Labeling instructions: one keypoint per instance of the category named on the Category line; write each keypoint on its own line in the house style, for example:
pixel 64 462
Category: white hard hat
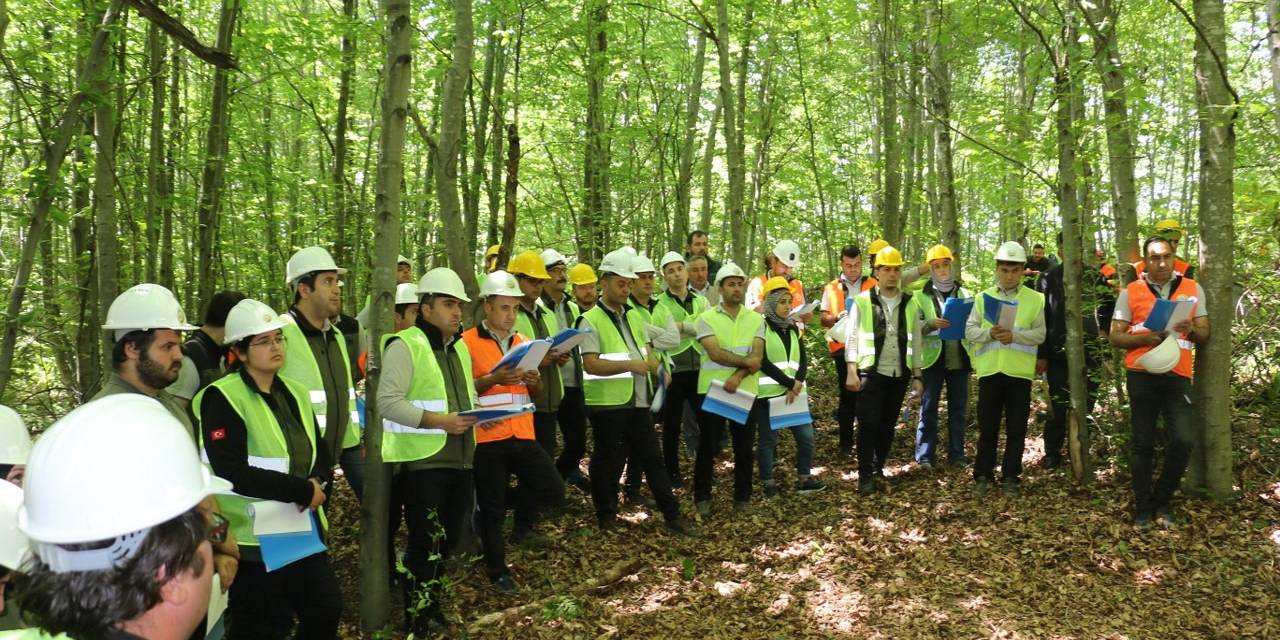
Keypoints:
pixel 500 283
pixel 788 252
pixel 310 260
pixel 402 260
pixel 551 256
pixel 630 250
pixel 619 263
pixel 13 545
pixel 669 257
pixel 406 293
pixel 1011 252
pixel 443 280
pixel 250 318
pixel 146 306
pixel 642 264
pixel 15 442
pixel 729 270
pixel 1163 357
pixel 142 469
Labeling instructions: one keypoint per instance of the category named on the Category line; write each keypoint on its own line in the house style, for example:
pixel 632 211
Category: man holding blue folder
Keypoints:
pixel 1005 360
pixel 535 322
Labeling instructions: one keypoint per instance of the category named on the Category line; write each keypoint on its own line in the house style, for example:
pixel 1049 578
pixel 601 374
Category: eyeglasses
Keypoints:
pixel 218 527
pixel 268 342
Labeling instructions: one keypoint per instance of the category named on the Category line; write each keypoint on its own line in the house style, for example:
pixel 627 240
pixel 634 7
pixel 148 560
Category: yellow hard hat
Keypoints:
pixel 492 251
pixel 876 245
pixel 888 257
pixel 582 273
pixel 775 283
pixel 1168 227
pixel 938 252
pixel 528 263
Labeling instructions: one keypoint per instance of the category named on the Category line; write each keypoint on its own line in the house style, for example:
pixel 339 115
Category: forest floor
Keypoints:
pixel 924 560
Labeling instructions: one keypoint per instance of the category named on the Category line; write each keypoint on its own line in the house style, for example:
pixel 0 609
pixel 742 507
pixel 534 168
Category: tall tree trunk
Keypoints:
pixel 495 152
pixel 215 158
pixel 1273 31
pixel 480 131
pixel 512 184
pixel 911 146
pixel 734 152
pixel 155 149
pixel 274 259
pixel 812 144
pixel 595 210
pixel 684 177
pixel 891 225
pixel 342 245
pixel 1217 105
pixel 170 177
pixel 106 231
pixel 708 155
pixel 939 88
pixel 451 123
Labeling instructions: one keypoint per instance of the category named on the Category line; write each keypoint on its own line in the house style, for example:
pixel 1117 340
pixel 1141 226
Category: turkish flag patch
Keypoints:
pixel 218 434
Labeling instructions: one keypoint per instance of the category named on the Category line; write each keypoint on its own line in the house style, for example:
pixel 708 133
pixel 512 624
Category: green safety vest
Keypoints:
pixel 734 335
pixel 617 389
pixel 1014 360
pixel 670 307
pixel 924 306
pixel 525 326
pixel 300 364
pixel 866 330
pixel 785 358
pixel 427 391
pixel 266 443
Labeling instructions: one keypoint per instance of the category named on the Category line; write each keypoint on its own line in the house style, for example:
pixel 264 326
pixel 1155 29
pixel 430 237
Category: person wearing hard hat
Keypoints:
pixel 733 337
pixel 1158 378
pixel 147 356
pixel 506 447
pixel 782 261
pixel 945 362
pixel 883 352
pixel 699 245
pixel 204 359
pixel 782 372
pixel 584 281
pixel 404 276
pixel 678 306
pixel 909 274
pixel 1171 230
pixel 14 548
pixel 316 355
pixel 127 555
pixel 837 300
pixel 258 430
pixel 15 446
pixel 618 366
pixel 572 415
pixel 426 381
pixel 536 322
pixel 491 258
pixel 1005 361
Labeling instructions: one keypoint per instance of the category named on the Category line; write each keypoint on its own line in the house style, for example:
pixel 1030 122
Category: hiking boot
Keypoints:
pixel 1164 517
pixel 635 498
pixel 981 486
pixel 609 524
pixel 866 487
pixel 925 465
pixel 703 507
pixel 1142 520
pixel 1050 463
pixel 505 585
pixel 682 527
pixel 958 463
pixel 1011 488
pixel 809 484
pixel 740 506
pixel 770 488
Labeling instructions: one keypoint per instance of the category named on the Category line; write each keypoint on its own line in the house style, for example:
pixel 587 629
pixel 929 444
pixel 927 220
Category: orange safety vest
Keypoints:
pixel 485 355
pixel 1180 267
pixel 833 296
pixel 1141 301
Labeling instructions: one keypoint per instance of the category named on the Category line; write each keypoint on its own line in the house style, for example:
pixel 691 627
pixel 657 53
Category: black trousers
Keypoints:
pixel 544 430
pixel 1007 397
pixel 264 605
pixel 573 427
pixel 683 388
pixel 848 408
pixel 878 407
pixel 437 503
pixel 1055 428
pixel 712 428
pixel 540 486
pixel 633 427
pixel 1153 397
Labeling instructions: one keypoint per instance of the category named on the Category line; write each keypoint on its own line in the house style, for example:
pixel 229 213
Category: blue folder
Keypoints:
pixel 992 306
pixel 282 549
pixel 956 311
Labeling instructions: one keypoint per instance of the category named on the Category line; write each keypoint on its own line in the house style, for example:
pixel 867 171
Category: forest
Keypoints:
pixel 198 145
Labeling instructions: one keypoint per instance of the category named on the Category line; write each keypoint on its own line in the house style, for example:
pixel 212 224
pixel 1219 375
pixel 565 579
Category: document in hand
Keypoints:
pixel 783 415
pixel 956 311
pixel 271 517
pixel 999 312
pixel 735 406
pixel 526 356
pixel 486 415
pixel 282 549
pixel 568 339
pixel 1167 313
pixel 660 394
pixel 803 309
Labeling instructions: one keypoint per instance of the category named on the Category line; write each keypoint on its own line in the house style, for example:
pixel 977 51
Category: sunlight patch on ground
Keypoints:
pixel 728 588
pixel 779 604
pixel 1148 576
pixel 1275 536
pixel 882 526
pixel 798 548
pixel 1272 494
pixel 634 517
pixel 913 535
pixel 836 606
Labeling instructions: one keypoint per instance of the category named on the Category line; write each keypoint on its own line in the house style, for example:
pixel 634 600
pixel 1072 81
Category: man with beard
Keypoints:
pixel 700 245
pixel 700 280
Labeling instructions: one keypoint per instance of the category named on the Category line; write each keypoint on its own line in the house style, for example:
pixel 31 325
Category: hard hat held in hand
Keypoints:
pixel 310 260
pixel 580 274
pixel 642 264
pixel 1011 252
pixel 888 257
pixel 729 270
pixel 406 293
pixel 146 306
pixel 551 256
pixel 668 258
pixel 1163 357
pixel 788 252
pixel 109 470
pixel 442 281
pixel 528 264
pixel 250 318
pixel 938 252
pixel 619 263
pixel 15 441
pixel 13 545
pixel 500 283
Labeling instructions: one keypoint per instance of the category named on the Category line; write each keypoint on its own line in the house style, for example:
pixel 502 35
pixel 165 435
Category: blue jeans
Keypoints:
pixel 352 461
pixel 766 449
pixel 957 382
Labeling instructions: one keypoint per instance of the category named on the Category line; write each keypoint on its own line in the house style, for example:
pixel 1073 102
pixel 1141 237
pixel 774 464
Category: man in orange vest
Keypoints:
pixel 1159 377
pixel 506 447
pixel 837 297
pixel 1171 231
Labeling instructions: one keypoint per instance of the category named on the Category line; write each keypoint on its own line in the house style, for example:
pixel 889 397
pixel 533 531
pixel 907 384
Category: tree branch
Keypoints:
pixel 1039 34
pixel 182 35
pixel 1222 68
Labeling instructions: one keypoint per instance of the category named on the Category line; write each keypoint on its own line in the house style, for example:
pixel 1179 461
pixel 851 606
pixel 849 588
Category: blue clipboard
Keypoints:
pixel 283 549
pixel 956 311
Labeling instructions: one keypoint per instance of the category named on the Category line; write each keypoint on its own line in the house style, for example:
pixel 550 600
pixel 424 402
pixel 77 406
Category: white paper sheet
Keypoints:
pixel 740 399
pixel 803 309
pixel 272 517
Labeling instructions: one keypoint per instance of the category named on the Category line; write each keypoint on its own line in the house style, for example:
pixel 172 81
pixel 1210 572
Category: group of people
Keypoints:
pixel 192 442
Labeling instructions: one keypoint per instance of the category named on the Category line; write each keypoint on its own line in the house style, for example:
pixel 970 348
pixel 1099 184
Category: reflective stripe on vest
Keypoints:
pixel 669 307
pixel 788 360
pixel 427 391
pixel 485 355
pixel 1141 301
pixel 1013 359
pixel 735 335
pixel 616 389
pixel 300 364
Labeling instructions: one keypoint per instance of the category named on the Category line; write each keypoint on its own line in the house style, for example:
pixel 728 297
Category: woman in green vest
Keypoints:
pixel 258 430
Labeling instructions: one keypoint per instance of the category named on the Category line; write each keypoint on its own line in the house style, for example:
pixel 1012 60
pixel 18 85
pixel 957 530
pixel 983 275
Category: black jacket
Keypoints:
pixel 208 356
pixel 1099 304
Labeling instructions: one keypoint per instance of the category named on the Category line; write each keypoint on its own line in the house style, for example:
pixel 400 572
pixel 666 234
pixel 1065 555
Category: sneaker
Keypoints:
pixel 866 487
pixel 1051 462
pixel 958 463
pixel 1142 521
pixel 770 488
pixel 809 484
pixel 740 506
pixel 681 526
pixel 1164 517
pixel 703 507
pixel 1010 488
pixel 608 524
pixel 636 498
pixel 505 585
pixel 981 486
pixel 846 454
